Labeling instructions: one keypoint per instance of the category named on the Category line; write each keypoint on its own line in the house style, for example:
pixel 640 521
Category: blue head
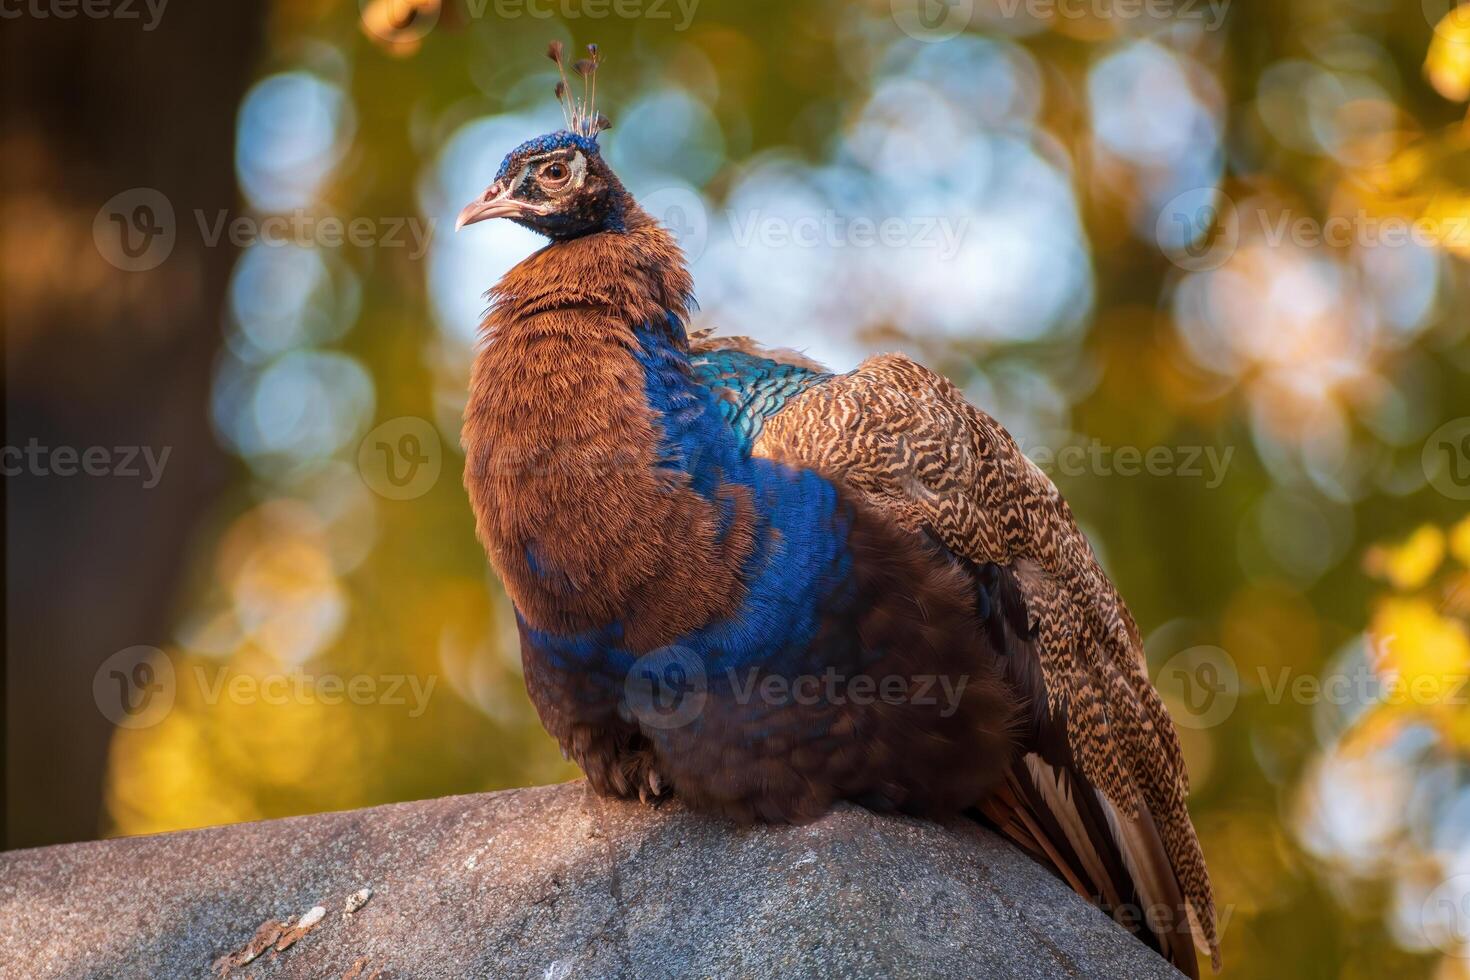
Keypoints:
pixel 558 184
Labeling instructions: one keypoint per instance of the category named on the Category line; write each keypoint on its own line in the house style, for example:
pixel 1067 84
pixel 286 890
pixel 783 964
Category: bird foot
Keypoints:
pixel 616 768
pixel 651 788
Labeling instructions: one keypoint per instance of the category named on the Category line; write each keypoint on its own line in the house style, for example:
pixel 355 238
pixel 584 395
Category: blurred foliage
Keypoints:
pixel 1147 259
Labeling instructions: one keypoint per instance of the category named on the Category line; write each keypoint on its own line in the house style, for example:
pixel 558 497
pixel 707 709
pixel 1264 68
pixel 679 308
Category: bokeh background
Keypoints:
pixel 1207 261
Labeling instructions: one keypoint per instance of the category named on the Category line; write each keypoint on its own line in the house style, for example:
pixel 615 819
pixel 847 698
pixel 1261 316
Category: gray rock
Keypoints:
pixel 552 883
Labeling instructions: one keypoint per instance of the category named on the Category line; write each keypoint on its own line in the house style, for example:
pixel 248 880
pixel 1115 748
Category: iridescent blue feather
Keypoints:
pixel 749 388
pixel 708 412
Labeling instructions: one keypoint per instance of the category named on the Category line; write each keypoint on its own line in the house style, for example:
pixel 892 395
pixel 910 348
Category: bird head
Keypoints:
pixel 558 184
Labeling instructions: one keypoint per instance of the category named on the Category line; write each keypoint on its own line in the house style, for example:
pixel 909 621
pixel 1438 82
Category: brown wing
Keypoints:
pixel 909 440
pixel 1049 808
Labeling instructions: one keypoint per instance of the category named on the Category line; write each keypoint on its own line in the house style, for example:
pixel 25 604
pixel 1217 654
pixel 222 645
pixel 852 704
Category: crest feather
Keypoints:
pixel 580 114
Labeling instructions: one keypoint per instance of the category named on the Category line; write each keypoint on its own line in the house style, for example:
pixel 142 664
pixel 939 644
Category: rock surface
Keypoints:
pixel 552 883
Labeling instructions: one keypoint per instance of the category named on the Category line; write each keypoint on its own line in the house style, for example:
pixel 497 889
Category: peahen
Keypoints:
pixel 765 587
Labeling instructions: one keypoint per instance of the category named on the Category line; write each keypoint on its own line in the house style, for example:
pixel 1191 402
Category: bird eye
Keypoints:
pixel 555 174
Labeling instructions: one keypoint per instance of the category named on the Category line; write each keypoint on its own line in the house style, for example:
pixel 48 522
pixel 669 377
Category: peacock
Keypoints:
pixel 765 587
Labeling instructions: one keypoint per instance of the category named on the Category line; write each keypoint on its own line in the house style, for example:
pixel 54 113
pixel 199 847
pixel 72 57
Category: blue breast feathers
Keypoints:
pixel 800 566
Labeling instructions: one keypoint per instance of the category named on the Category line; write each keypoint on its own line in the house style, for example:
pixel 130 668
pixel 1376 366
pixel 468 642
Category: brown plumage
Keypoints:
pixel 644 494
pixel 911 443
pixel 530 454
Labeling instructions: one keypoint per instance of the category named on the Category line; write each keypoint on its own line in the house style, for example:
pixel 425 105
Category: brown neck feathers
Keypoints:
pixel 562 448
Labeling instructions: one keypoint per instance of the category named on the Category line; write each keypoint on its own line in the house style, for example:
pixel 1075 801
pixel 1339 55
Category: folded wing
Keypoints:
pixel 1100 791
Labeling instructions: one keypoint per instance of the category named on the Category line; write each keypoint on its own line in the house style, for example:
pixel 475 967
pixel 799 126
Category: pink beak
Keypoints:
pixel 496 202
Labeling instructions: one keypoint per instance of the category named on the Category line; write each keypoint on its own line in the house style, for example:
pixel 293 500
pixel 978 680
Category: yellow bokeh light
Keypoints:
pixel 1426 655
pixel 1409 564
pixel 1447 65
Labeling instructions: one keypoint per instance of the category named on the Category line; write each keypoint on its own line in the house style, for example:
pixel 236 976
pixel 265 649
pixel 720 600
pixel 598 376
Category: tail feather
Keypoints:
pixel 1163 911
pixel 1018 821
pixel 1117 862
pixel 1057 793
